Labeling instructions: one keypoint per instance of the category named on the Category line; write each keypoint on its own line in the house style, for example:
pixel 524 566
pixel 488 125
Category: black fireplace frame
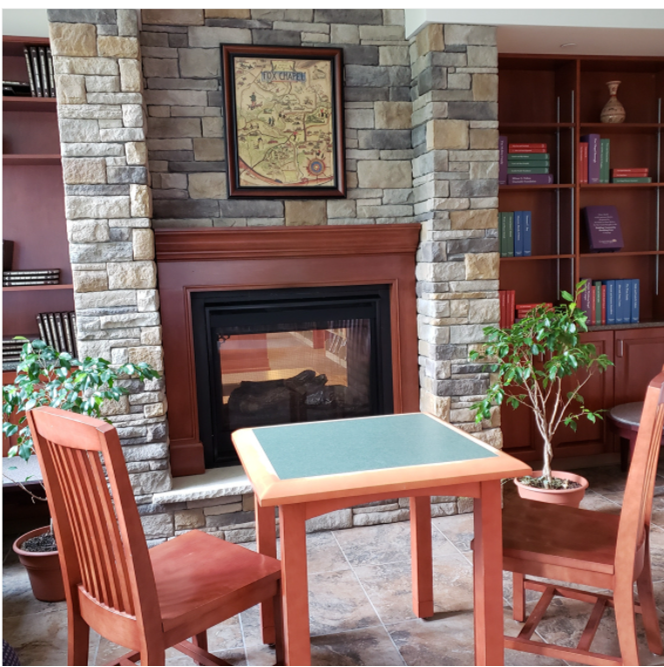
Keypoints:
pixel 237 308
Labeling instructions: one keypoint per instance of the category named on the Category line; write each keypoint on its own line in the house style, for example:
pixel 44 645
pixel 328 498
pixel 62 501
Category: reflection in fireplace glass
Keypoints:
pixel 304 372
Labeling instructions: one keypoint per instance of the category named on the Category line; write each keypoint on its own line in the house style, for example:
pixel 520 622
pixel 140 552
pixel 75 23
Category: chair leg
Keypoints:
pixel 279 627
pixel 648 608
pixel 78 640
pixel 518 597
pixel 201 640
pixel 623 599
pixel 153 653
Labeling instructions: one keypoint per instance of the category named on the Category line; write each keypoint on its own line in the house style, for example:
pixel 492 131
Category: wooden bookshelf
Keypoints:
pixel 33 201
pixel 556 100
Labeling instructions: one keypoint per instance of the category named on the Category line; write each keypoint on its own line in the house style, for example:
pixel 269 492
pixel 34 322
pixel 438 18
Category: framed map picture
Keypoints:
pixel 284 121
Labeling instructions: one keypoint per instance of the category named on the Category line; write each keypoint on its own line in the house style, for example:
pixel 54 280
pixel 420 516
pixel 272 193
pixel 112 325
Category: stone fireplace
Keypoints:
pixel 150 223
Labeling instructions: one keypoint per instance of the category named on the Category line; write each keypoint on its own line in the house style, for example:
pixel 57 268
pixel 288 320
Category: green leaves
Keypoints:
pixel 48 377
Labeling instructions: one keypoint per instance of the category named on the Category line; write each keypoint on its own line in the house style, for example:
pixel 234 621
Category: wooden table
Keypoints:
pixel 310 469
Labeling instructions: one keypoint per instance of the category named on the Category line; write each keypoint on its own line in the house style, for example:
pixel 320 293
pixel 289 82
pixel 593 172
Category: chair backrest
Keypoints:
pixel 99 533
pixel 637 501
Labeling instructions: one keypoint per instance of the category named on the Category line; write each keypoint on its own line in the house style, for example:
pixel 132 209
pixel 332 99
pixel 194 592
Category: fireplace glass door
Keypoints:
pixel 286 356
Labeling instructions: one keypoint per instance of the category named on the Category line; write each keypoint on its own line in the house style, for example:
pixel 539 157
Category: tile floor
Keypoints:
pixel 360 601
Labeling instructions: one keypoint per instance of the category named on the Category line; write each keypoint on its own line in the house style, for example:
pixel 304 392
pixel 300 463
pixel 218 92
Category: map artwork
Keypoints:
pixel 284 122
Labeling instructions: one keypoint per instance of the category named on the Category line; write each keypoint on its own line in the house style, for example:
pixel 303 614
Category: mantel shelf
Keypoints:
pixel 25 159
pixel 35 288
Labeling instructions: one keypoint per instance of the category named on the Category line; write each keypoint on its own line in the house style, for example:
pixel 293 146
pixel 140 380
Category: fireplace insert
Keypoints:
pixel 279 356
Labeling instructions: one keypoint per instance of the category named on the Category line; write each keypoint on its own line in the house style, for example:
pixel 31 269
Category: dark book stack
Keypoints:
pixel 507 298
pixel 522 309
pixel 28 278
pixel 526 164
pixel 40 71
pixel 630 175
pixel 611 301
pixel 594 159
pixel 59 331
pixel 514 233
pixel 11 353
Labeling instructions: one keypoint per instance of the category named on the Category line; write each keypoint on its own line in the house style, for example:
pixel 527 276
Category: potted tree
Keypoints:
pixel 541 363
pixel 48 377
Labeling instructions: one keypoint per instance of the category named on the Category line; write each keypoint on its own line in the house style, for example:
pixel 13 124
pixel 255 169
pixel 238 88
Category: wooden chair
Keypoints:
pixel 145 600
pixel 591 549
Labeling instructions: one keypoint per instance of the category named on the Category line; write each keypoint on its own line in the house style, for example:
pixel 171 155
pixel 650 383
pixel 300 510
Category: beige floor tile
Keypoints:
pixel 367 545
pixel 39 639
pixel 457 529
pixel 389 587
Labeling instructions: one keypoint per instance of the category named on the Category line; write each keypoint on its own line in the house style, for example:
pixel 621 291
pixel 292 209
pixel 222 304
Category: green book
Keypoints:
pixel 509 240
pixel 528 157
pixel 500 233
pixel 526 163
pixel 604 160
pixel 633 179
pixel 598 301
pixel 527 170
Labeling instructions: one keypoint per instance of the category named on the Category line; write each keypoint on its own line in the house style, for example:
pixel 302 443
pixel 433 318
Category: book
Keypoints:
pixel 528 157
pixel 627 301
pixel 632 179
pixel 42 330
pixel 636 297
pixel 626 173
pixel 502 160
pixel 34 57
pixel 593 305
pixel 593 156
pixel 530 179
pixel 586 299
pixel 61 332
pixel 502 233
pixel 72 323
pixel 597 287
pixel 51 75
pixel 66 325
pixel 506 308
pixel 583 162
pixel 603 290
pixel 619 302
pixel 604 160
pixel 603 225
pixel 509 240
pixel 33 90
pixel 518 233
pixel 610 301
pixel 43 71
pixel 527 238
pixel 527 170
pixel 527 148
pixel 54 331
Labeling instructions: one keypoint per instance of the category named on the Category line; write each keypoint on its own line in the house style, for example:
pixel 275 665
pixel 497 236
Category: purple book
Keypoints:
pixel 502 160
pixel 604 233
pixel 593 157
pixel 530 179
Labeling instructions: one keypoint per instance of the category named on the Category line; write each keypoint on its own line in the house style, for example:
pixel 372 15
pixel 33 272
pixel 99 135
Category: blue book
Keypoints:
pixel 635 299
pixel 527 238
pixel 627 301
pixel 610 301
pixel 619 302
pixel 518 233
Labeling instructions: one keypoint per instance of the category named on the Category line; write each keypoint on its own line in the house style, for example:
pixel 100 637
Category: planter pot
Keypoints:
pixel 43 569
pixel 569 497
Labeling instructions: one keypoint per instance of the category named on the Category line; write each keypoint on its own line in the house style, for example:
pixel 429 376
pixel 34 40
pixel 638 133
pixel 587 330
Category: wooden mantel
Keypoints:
pixel 194 260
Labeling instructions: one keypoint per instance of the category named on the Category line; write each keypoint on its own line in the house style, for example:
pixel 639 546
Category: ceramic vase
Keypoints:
pixel 613 111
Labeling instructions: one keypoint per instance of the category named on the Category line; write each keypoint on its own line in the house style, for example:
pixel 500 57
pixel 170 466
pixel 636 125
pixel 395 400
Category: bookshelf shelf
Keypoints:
pixel 532 258
pixel 617 186
pixel 553 186
pixel 36 288
pixel 621 128
pixel 25 159
pixel 517 127
pixel 29 103
pixel 617 255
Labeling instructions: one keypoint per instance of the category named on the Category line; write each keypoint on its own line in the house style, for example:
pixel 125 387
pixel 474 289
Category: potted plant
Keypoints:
pixel 531 361
pixel 47 377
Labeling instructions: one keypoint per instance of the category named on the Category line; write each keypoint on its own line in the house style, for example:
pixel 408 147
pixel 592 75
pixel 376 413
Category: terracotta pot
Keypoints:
pixel 613 111
pixel 43 569
pixel 569 497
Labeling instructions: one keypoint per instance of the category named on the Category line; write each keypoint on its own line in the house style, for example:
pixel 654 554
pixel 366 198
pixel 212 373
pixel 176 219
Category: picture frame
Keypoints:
pixel 284 121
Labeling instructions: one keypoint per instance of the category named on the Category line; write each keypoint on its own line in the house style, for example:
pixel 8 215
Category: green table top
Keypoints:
pixel 370 443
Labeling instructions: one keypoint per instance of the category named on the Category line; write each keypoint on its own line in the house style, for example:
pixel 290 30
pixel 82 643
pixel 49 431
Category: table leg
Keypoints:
pixel 294 584
pixel 266 542
pixel 488 576
pixel 421 557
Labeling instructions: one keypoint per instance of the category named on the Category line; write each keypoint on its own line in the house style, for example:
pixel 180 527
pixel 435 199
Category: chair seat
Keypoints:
pixel 559 535
pixel 199 575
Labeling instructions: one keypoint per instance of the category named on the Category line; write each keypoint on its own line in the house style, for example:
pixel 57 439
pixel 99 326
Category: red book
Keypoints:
pixel 603 304
pixel 583 162
pixel 527 148
pixel 592 304
pixel 626 173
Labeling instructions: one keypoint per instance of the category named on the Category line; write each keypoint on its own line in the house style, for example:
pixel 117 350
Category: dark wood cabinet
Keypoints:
pixel 639 356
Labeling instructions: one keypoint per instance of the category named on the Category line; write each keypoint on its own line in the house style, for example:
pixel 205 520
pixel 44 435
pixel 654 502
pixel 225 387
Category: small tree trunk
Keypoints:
pixel 546 468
